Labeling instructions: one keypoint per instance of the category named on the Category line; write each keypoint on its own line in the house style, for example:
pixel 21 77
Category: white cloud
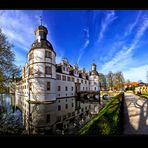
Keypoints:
pixel 124 56
pixel 136 73
pixel 133 25
pixel 109 18
pixel 84 46
pixel 19 26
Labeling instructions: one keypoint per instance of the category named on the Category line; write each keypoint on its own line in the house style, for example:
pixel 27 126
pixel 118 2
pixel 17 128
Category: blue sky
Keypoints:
pixel 116 40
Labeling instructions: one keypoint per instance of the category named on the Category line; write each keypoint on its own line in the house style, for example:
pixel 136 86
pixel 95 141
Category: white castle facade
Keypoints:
pixel 43 81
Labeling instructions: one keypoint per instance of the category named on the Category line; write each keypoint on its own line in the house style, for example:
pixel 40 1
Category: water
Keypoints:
pixel 10 117
pixel 64 116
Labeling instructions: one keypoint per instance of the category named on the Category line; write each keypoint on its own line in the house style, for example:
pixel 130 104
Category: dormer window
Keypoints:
pixel 48 54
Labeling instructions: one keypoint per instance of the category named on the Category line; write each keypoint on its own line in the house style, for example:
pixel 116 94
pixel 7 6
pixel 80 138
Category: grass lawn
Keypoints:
pixel 107 122
pixel 144 94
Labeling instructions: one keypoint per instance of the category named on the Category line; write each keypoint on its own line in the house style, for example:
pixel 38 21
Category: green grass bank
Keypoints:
pixel 109 119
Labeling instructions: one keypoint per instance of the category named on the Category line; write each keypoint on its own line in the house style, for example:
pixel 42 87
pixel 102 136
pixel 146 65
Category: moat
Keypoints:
pixel 64 116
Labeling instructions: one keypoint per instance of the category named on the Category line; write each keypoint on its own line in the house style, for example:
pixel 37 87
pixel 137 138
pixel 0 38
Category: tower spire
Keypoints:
pixel 41 20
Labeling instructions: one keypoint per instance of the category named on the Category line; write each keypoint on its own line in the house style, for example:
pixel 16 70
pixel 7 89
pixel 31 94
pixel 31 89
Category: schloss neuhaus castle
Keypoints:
pixel 47 92
pixel 45 81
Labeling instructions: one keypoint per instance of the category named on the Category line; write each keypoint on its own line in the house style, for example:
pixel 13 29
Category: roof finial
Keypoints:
pixel 41 19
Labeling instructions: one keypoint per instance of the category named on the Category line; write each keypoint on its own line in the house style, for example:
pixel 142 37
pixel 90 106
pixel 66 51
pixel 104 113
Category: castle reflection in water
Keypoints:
pixel 64 116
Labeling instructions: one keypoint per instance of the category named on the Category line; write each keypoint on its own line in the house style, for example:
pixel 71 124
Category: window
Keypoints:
pixel 81 81
pixel 85 82
pixel 58 77
pixel 68 78
pixel 66 88
pixel 59 88
pixel 72 105
pixel 48 70
pixel 58 118
pixel 72 88
pixel 66 106
pixel 48 118
pixel 48 85
pixel 48 54
pixel 86 88
pixel 83 88
pixel 95 88
pixel 64 78
pixel 73 79
pixel 77 80
pixel 59 107
pixel 30 86
pixel 82 110
pixel 67 69
pixel 30 70
pixel 63 68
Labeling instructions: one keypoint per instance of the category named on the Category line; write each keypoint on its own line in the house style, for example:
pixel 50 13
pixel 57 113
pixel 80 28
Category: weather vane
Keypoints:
pixel 41 19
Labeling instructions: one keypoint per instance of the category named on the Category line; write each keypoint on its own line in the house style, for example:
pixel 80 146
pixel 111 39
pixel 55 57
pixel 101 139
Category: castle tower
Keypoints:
pixel 41 67
pixel 93 67
pixel 94 79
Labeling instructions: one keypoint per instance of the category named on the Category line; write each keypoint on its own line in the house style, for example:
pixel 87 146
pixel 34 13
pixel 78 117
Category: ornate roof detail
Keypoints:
pixel 41 27
pixel 93 72
pixel 42 44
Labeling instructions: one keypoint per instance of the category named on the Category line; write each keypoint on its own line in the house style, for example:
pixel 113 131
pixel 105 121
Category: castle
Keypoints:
pixel 43 81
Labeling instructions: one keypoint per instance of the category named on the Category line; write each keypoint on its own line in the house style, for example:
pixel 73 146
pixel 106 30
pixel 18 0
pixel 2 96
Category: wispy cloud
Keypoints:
pixel 87 41
pixel 59 56
pixel 109 18
pixel 124 56
pixel 19 26
pixel 133 24
pixel 136 73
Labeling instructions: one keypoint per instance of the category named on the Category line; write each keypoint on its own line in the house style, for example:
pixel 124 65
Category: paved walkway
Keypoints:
pixel 135 114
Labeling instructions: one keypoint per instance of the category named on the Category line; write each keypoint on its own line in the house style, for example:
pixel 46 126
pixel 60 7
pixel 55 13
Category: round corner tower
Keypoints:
pixel 41 67
pixel 94 78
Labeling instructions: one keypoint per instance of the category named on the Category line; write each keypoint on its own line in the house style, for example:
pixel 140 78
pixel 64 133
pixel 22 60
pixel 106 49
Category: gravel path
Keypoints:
pixel 135 114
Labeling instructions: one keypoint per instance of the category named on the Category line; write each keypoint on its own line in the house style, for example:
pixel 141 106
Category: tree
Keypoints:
pixel 110 80
pixel 103 82
pixel 118 81
pixel 115 81
pixel 7 67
